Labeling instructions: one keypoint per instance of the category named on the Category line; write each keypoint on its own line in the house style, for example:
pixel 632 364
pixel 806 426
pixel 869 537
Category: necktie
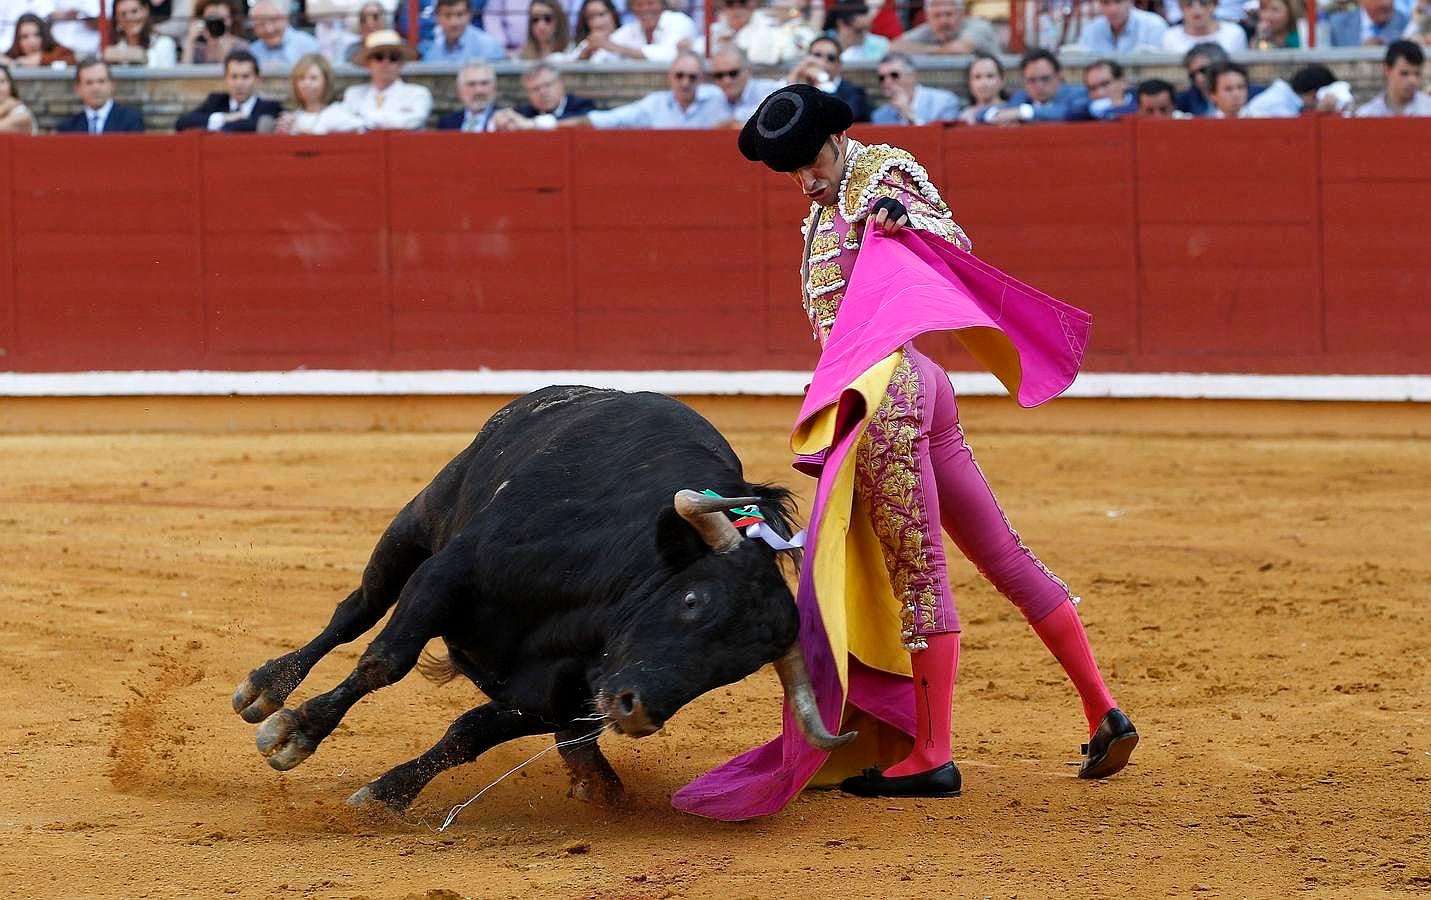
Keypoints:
pixel 94 123
pixel 378 101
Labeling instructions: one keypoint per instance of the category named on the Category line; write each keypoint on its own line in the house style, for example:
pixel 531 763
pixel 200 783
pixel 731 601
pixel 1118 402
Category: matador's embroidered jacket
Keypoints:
pixel 872 172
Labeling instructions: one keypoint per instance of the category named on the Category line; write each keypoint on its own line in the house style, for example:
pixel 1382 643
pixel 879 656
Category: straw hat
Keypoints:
pixel 384 39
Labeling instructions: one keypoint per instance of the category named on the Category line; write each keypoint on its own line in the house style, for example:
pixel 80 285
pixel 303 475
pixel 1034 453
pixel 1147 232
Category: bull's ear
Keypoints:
pixel 678 543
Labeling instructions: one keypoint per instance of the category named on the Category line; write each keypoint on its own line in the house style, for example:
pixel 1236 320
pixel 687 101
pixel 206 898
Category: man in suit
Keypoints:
pixel 239 108
pixel 101 115
pixel 1375 24
pixel 477 89
pixel 822 68
pixel 909 102
pixel 1044 97
pixel 547 96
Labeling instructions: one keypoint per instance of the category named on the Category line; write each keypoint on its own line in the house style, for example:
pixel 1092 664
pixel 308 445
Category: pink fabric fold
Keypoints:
pixel 902 286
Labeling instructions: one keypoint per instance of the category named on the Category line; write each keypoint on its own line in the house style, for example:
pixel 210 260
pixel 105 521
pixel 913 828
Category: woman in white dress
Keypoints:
pixel 312 78
pixel 135 42
pixel 598 19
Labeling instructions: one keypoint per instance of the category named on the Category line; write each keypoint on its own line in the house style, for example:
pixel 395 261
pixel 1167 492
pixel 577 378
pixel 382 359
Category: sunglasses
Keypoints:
pixel 827 57
pixel 371 17
pixel 685 76
pixel 722 76
pixel 386 57
pixel 542 18
pixel 1199 72
pixel 889 76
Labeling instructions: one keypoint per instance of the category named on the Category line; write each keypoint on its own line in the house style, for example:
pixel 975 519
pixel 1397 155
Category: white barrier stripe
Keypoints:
pixel 334 382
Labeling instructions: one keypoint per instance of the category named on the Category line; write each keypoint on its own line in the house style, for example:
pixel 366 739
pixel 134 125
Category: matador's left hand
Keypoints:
pixel 890 215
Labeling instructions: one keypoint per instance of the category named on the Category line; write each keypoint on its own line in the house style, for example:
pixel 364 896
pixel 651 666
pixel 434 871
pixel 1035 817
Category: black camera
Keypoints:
pixel 216 27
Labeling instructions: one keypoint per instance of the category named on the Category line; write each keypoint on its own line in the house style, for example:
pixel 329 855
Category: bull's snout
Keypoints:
pixel 629 714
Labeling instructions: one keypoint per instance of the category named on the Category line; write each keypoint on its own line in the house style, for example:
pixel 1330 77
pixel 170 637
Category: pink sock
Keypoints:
pixel 1062 632
pixel 935 669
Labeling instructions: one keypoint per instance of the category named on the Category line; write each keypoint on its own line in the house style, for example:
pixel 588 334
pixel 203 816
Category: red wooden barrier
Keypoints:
pixel 1266 247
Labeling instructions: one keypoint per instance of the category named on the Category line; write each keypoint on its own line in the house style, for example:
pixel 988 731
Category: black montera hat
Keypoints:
pixel 791 125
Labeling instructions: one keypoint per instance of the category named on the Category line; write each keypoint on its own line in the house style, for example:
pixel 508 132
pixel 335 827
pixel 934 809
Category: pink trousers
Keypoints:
pixel 915 475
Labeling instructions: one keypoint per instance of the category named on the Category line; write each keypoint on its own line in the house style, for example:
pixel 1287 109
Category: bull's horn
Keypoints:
pixel 707 516
pixel 795 679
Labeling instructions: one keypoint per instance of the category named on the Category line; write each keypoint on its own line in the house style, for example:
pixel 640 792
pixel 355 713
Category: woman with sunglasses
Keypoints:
pixel 1199 26
pixel 135 42
pixel 215 31
pixel 880 429
pixel 15 116
pixel 33 45
pixel 547 32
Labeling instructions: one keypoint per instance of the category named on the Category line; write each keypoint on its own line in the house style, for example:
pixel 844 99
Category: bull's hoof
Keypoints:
pixel 598 790
pixel 364 797
pixel 254 704
pixel 282 742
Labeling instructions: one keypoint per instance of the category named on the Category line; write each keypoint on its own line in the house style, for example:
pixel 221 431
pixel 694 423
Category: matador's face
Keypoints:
pixel 820 181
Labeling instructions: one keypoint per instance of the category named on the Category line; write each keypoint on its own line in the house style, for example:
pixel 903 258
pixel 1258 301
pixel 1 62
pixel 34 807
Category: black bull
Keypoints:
pixel 574 576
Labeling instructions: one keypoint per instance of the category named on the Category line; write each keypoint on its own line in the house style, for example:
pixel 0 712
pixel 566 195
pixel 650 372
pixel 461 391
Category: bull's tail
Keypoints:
pixel 437 669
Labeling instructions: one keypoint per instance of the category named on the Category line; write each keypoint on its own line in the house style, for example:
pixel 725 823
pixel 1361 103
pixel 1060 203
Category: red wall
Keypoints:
pixel 1272 246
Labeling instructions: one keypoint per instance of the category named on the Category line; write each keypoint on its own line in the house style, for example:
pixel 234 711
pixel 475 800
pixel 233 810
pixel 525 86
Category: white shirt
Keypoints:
pixel 1231 37
pixel 217 120
pixel 97 117
pixel 331 119
pixel 671 29
pixel 81 39
pixel 761 40
pixel 402 107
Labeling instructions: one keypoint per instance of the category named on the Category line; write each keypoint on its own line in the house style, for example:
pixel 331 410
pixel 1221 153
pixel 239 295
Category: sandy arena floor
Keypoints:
pixel 1259 603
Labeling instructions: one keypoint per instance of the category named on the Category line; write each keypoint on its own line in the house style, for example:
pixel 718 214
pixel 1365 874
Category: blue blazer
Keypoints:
pixel 199 118
pixel 121 118
pixel 1070 104
pixel 575 106
pixel 1345 28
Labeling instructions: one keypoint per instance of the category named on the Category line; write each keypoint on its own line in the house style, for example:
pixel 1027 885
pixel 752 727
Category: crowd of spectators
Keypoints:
pixel 809 41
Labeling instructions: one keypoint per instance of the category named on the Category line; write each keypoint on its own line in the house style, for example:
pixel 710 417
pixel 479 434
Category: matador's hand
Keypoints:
pixel 890 215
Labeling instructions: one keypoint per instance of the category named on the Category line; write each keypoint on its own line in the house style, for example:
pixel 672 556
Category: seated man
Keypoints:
pixel 688 104
pixel 1155 100
pixel 277 44
pixel 823 69
pixel 477 89
pixel 1197 61
pixel 1402 97
pixel 656 35
pixel 387 102
pixel 457 40
pixel 547 96
pixel 1375 23
pixel 101 115
pixel 730 71
pixel 1313 89
pixel 1123 28
pixel 948 30
pixel 908 101
pixel 1108 94
pixel 1044 97
pixel 237 109
pixel 1229 90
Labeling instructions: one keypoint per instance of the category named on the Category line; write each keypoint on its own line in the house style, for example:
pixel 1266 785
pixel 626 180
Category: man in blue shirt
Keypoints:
pixel 277 44
pixel 1123 28
pixel 1044 97
pixel 910 103
pixel 1108 94
pixel 457 39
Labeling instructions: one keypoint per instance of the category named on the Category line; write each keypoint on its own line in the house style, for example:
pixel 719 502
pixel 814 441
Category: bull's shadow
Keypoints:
pixel 579 576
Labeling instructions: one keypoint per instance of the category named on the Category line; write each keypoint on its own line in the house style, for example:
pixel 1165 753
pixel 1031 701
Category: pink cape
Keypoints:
pixel 902 287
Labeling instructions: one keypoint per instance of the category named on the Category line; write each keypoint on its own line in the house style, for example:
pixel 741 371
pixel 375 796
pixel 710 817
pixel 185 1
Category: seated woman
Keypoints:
pixel 986 90
pixel 15 116
pixel 34 46
pixel 317 113
pixel 135 41
pixel 596 21
pixel 548 34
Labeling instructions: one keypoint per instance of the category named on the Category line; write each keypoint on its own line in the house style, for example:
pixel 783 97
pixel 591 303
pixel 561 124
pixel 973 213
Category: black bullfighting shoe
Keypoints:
pixel 944 781
pixel 1109 748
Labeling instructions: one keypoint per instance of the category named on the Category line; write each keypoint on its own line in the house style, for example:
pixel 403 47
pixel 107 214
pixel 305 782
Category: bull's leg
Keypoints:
pixel 475 732
pixel 424 608
pixel 592 778
pixel 401 549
